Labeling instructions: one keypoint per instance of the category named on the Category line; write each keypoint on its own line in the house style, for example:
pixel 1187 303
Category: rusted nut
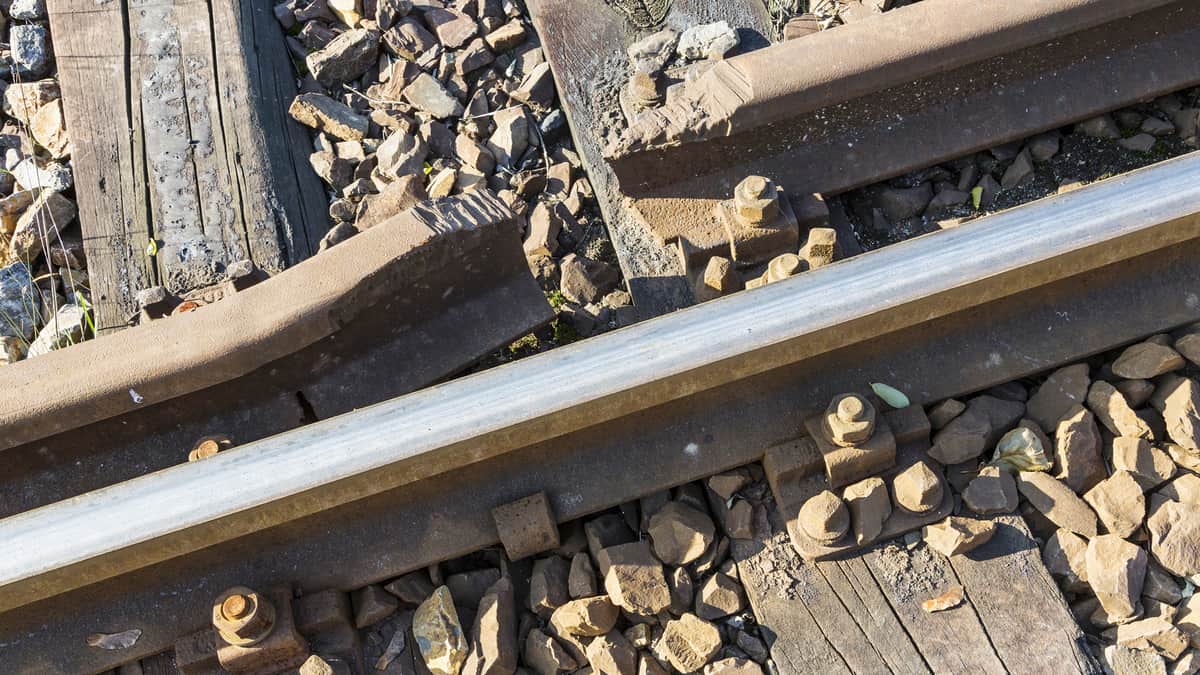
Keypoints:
pixel 208 446
pixel 849 419
pixel 825 517
pixel 917 489
pixel 243 617
pixel 756 201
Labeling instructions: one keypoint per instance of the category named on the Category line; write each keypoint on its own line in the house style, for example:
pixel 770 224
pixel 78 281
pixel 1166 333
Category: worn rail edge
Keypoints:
pixel 147 520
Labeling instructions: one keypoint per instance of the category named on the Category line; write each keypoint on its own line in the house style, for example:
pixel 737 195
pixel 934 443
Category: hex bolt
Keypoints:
pixel 849 419
pixel 825 518
pixel 243 617
pixel 756 201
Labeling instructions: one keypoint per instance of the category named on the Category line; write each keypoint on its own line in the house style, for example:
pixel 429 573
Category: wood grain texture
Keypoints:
pixel 177 114
pixel 863 614
pixel 585 43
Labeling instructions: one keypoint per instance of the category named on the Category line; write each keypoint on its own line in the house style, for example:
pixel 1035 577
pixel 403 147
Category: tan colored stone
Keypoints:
pixel 739 520
pixel 494 633
pixel 371 605
pixel 1146 360
pixel 1188 664
pixel 1188 345
pixel 964 438
pixel 992 492
pixel 719 596
pixel 1057 502
pixel 649 665
pixel 682 590
pixel 527 526
pixel 22 100
pixel 640 635
pixel 1119 502
pixel 634 579
pixel 726 485
pixel 733 666
pixel 1116 570
pixel 1113 411
pixel 40 225
pixel 1136 392
pixel 917 489
pixel 1175 537
pixel 1153 635
pixel 612 654
pixel 548 585
pixel 1187 618
pixel 1077 450
pixel 1187 458
pixel 824 517
pixel 956 535
pixel 909 424
pixel 439 635
pixel 680 533
pixel 1161 585
pixel 690 642
pixel 870 506
pixel 1180 408
pixel 325 114
pixel 581 581
pixel 1065 388
pixel 1125 661
pixel 49 128
pixel 545 655
pixel 1149 465
pixel 587 617
pixel 1185 488
pixel 944 411
pixel 1065 556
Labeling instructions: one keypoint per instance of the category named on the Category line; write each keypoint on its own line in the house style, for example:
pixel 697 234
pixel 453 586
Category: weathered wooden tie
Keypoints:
pixel 177 116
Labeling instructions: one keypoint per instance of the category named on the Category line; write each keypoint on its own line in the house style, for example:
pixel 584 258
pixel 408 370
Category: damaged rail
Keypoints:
pixel 413 480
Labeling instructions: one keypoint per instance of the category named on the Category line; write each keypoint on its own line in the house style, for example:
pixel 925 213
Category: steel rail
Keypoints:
pixel 176 511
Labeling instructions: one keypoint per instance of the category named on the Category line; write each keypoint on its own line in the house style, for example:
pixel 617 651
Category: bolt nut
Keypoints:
pixel 208 446
pixel 243 617
pixel 849 419
pixel 783 266
pixel 825 517
pixel 917 489
pixel 756 201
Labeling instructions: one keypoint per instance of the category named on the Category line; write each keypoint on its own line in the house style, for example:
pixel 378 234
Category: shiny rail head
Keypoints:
pixel 173 512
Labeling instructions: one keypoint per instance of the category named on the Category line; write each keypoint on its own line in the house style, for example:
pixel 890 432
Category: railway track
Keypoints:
pixel 319 501
pixel 699 391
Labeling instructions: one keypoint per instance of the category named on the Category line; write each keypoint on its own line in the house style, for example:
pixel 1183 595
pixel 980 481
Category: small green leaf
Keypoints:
pixel 152 248
pixel 890 395
pixel 428 168
pixel 976 196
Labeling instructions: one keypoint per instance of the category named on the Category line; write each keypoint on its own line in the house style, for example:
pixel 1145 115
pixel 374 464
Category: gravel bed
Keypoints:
pixel 44 295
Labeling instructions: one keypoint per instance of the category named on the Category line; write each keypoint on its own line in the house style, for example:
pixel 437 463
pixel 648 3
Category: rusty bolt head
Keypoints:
pixel 756 201
pixel 208 446
pixel 243 617
pixel 917 489
pixel 849 419
pixel 825 517
pixel 236 606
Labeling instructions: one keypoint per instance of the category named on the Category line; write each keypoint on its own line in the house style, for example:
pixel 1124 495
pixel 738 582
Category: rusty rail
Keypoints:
pixel 698 391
